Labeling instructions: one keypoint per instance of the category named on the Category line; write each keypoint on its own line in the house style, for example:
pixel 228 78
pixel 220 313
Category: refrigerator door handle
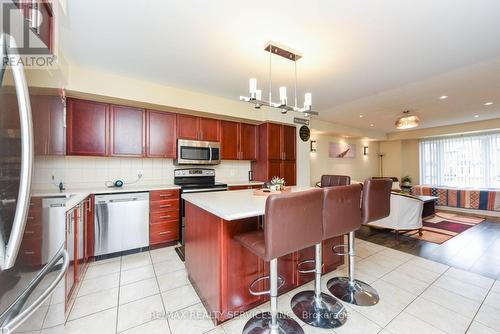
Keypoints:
pixel 11 248
pixel 12 323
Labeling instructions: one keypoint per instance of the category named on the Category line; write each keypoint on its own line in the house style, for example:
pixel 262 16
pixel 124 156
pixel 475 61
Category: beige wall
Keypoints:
pixel 359 168
pixel 401 158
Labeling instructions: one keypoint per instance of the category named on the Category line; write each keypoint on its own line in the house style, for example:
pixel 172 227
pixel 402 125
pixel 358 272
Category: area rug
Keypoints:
pixel 443 226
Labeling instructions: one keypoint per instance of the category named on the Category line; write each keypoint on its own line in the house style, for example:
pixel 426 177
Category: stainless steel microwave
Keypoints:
pixel 195 152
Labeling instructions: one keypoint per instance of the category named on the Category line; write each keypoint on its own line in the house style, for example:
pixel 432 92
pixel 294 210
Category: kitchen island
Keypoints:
pixel 220 269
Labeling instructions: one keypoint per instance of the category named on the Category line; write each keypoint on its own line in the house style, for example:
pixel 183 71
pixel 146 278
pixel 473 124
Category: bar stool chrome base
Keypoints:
pixel 324 312
pixel 359 293
pixel 261 324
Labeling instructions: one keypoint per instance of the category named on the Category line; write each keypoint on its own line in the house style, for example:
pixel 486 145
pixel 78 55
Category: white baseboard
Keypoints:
pixel 469 211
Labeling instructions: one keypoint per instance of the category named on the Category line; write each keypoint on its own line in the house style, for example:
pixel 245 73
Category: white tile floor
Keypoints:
pixel 133 293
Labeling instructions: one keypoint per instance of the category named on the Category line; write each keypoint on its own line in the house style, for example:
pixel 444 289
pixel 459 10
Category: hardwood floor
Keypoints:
pixel 476 250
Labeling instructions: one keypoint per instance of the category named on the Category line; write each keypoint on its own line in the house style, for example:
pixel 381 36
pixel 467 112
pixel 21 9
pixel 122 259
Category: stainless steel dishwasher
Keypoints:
pixel 121 222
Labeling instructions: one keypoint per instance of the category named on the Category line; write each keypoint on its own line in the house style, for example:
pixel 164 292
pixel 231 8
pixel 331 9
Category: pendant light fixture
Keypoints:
pixel 407 121
pixel 256 94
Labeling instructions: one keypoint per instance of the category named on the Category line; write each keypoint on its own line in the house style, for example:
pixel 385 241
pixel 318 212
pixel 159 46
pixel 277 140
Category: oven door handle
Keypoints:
pixel 203 190
pixel 11 324
pixel 210 152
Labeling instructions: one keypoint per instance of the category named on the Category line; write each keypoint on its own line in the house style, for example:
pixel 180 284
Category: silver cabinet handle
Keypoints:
pixel 165 206
pixel 23 199
pixel 163 233
pixel 164 217
pixel 12 323
pixel 165 195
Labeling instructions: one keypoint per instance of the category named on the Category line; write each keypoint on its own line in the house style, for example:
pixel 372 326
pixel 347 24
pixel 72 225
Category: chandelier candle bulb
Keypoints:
pixel 258 94
pixel 283 98
pixel 307 101
pixel 253 87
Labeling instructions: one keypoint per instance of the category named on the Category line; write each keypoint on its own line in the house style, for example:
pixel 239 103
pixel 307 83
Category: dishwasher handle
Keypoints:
pixel 118 200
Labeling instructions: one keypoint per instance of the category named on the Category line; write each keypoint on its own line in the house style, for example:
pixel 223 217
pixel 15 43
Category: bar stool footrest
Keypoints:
pixel 281 282
pixel 309 271
pixel 343 246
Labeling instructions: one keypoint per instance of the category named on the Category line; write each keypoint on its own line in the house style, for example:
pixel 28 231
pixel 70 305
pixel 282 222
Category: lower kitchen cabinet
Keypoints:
pixel 163 216
pixel 77 240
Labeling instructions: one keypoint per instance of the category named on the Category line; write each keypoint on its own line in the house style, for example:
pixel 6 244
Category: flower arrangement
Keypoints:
pixel 278 183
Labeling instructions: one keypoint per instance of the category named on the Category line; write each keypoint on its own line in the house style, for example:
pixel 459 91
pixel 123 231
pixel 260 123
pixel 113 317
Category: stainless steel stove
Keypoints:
pixel 195 180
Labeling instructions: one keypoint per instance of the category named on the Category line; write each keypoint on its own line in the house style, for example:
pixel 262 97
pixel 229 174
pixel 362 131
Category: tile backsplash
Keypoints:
pixel 89 172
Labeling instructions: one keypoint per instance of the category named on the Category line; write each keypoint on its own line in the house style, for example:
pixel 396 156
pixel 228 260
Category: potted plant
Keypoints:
pixel 406 183
pixel 278 183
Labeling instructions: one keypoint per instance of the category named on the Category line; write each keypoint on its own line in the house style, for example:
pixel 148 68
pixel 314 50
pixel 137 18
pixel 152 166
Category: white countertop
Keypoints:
pixel 75 196
pixel 232 205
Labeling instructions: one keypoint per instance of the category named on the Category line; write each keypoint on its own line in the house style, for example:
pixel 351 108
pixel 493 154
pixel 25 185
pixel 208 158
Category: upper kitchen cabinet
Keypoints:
pixel 127 131
pixel 271 147
pixel 87 128
pixel 161 134
pixel 238 141
pixel 40 17
pixel 49 125
pixel 248 141
pixel 197 128
pixel 229 134
pixel 288 142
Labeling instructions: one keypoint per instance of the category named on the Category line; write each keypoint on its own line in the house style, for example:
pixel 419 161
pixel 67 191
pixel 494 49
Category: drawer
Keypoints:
pixel 35 203
pixel 165 205
pixel 32 231
pixel 34 217
pixel 31 251
pixel 161 216
pixel 163 195
pixel 163 232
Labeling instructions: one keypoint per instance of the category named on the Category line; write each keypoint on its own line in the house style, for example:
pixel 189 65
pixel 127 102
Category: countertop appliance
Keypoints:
pixel 195 152
pixel 33 260
pixel 194 180
pixel 121 222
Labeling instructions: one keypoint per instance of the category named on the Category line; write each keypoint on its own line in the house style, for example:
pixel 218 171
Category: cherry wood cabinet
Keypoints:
pixel 187 127
pixel 276 154
pixel 87 128
pixel 48 125
pixel 161 134
pixel 197 128
pixel 127 131
pixel 163 216
pixel 238 141
pixel 248 141
pixel 245 187
pixel 40 17
pixel 229 140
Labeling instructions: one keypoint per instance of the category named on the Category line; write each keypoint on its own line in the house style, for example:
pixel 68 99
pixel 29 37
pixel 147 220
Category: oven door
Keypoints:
pixel 193 152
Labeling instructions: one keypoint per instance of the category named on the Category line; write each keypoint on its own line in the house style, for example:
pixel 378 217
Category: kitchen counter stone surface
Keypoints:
pixel 234 183
pixel 232 205
pixel 75 196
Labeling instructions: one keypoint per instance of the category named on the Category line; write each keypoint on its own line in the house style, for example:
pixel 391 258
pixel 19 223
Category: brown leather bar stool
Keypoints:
pixel 340 214
pixel 292 222
pixel 334 180
pixel 376 204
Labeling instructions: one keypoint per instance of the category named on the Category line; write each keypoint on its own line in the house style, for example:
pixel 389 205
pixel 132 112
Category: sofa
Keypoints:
pixel 406 214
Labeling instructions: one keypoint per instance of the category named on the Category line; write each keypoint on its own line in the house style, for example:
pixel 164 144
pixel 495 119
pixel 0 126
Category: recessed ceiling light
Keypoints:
pixel 488 103
pixel 476 116
pixel 360 116
pixel 443 97
pixel 371 125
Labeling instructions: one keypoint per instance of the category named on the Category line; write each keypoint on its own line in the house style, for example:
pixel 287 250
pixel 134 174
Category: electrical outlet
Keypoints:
pixel 140 173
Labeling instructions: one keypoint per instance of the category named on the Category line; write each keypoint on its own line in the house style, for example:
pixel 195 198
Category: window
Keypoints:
pixel 466 161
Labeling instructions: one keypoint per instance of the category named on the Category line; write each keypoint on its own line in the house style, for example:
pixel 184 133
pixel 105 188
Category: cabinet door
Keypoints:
pixel 289 142
pixel 187 127
pixel 57 133
pixel 289 173
pixel 162 134
pixel 229 140
pixel 248 141
pixel 40 112
pixel 209 129
pixel 87 128
pixel 127 131
pixel 274 169
pixel 274 141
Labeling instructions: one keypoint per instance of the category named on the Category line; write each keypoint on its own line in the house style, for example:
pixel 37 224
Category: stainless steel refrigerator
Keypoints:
pixel 33 259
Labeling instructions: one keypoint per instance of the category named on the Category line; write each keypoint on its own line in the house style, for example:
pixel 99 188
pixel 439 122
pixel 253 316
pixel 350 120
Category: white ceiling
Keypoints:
pixel 374 58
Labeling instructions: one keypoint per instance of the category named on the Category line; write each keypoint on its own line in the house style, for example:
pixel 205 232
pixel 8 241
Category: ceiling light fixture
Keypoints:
pixel 476 116
pixel 360 116
pixel 488 103
pixel 407 121
pixel 443 97
pixel 372 125
pixel 256 94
